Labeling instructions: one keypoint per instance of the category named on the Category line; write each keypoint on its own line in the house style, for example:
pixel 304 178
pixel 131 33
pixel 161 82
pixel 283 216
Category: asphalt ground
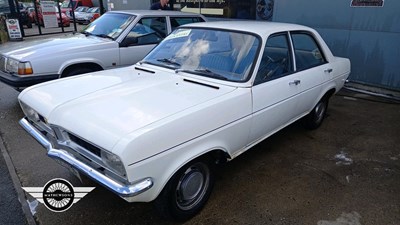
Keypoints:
pixel 347 172
pixel 11 212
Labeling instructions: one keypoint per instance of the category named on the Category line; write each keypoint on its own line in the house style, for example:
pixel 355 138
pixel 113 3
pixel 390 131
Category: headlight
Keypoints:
pixel 114 162
pixel 12 65
pixel 29 112
pixel 17 67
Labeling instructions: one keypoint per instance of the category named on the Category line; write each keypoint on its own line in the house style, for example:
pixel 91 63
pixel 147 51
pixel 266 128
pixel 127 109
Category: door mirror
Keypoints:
pixel 129 41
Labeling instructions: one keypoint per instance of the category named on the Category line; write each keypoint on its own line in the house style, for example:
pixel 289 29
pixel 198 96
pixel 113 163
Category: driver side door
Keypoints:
pixel 142 38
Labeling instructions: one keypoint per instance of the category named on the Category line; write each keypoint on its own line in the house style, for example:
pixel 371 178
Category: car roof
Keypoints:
pixel 155 13
pixel 261 28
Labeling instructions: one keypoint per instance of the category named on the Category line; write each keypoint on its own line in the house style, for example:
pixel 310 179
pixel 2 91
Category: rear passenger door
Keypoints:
pixel 310 66
pixel 147 33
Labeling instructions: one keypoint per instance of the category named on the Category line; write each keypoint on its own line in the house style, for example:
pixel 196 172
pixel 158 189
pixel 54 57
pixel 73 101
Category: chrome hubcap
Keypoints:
pixel 320 111
pixel 192 186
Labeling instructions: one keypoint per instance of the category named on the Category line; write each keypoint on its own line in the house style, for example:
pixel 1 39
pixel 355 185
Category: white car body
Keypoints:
pixel 77 12
pixel 53 58
pixel 85 17
pixel 156 120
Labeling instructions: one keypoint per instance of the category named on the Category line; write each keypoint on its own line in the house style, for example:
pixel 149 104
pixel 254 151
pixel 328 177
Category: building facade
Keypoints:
pixel 127 4
pixel 367 32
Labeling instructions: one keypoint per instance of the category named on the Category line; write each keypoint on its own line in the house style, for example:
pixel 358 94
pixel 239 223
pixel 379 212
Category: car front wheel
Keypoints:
pixel 187 191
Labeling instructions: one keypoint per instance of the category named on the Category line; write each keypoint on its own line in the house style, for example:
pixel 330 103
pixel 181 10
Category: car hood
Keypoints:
pixel 105 106
pixel 27 50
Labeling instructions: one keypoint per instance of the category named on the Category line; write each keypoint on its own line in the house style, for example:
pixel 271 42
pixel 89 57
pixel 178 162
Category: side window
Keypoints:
pixel 275 61
pixel 307 52
pixel 158 24
pixel 147 31
pixel 178 21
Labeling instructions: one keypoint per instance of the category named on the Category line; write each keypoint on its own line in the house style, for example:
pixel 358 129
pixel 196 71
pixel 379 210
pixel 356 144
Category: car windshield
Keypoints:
pixel 65 4
pixel 220 54
pixel 93 10
pixel 109 25
pixel 81 9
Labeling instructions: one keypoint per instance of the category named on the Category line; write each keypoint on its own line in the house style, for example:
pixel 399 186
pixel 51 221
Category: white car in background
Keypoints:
pixel 89 16
pixel 116 39
pixel 78 12
pixel 207 93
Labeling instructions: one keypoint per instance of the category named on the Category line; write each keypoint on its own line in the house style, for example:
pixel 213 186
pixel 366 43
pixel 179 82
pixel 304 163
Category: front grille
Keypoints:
pixel 2 63
pixel 86 145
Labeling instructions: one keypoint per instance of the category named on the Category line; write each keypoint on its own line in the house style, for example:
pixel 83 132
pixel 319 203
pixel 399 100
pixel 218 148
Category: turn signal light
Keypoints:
pixel 25 68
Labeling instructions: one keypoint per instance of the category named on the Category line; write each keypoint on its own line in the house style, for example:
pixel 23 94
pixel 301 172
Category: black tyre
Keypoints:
pixel 315 118
pixel 76 71
pixel 187 191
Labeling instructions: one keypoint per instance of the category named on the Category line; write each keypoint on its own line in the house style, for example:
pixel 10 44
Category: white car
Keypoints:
pixel 118 38
pixel 89 16
pixel 206 94
pixel 81 10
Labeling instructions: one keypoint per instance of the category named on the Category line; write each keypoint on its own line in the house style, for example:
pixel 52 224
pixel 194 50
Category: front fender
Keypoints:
pixel 227 130
pixel 161 172
pixel 72 62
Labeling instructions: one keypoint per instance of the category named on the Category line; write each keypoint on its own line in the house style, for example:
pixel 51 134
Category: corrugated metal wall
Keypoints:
pixel 369 36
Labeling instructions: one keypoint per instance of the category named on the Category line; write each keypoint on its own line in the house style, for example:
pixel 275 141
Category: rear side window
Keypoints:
pixel 157 24
pixel 178 21
pixel 307 52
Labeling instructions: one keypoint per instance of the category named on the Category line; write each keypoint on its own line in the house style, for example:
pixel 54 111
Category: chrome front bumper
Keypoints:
pixel 120 189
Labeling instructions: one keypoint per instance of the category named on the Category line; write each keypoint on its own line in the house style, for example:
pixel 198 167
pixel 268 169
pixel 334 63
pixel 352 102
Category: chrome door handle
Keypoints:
pixel 295 82
pixel 328 70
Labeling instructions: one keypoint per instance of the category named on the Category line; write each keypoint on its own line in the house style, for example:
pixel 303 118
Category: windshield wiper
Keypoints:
pixel 103 36
pixel 203 72
pixel 86 33
pixel 169 61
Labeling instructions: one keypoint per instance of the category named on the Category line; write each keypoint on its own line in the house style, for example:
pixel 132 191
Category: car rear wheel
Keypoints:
pixel 187 191
pixel 315 118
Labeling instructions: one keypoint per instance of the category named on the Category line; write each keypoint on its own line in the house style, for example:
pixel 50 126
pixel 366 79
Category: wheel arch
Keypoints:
pixel 326 94
pixel 68 66
pixel 329 93
pixel 215 155
pixel 164 173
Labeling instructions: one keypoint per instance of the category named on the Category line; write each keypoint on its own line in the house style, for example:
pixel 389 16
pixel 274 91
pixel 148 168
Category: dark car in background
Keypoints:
pixel 4 7
pixel 23 13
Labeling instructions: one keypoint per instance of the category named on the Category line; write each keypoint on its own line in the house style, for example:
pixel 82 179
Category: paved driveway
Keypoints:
pixel 347 170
